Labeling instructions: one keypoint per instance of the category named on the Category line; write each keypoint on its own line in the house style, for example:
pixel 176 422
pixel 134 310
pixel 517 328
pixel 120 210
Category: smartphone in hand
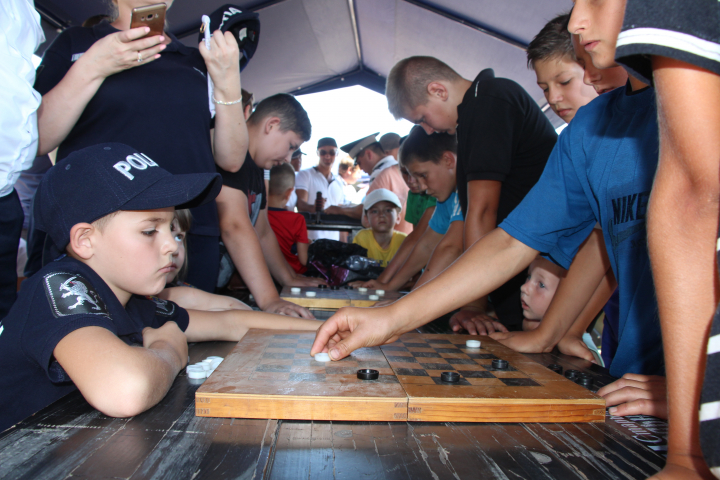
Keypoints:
pixel 152 16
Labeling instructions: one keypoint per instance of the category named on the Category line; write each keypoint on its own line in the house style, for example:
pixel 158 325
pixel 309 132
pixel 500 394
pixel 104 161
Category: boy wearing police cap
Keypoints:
pixel 78 321
pixel 384 173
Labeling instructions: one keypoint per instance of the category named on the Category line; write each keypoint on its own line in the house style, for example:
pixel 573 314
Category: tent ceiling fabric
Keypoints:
pixel 310 45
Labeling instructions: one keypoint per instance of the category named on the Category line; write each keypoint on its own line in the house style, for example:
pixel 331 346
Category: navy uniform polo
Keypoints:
pixel 62 297
pixel 160 108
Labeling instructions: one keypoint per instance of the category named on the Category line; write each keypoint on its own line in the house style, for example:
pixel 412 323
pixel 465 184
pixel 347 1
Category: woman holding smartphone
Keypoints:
pixel 111 83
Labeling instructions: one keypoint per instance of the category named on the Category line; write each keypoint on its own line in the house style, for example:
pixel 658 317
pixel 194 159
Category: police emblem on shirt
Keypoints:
pixel 71 294
pixel 163 307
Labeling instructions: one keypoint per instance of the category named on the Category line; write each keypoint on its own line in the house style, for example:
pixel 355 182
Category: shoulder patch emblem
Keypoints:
pixel 71 294
pixel 163 307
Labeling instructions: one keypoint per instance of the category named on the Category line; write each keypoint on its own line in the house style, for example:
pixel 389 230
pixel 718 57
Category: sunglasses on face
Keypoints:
pixel 328 152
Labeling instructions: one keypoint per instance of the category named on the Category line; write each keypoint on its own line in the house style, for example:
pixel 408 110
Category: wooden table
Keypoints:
pixel 70 439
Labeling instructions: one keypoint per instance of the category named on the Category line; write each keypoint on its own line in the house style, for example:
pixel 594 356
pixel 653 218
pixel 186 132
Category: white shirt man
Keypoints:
pixel 320 178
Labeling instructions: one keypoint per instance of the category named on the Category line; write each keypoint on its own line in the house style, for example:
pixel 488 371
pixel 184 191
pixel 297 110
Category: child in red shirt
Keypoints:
pixel 289 227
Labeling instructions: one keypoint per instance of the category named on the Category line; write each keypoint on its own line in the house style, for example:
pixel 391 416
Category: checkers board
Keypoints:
pixel 328 298
pixel 270 374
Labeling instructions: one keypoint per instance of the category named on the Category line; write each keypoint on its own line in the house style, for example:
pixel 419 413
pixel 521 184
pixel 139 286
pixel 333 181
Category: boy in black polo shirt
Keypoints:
pixel 277 127
pixel 504 141
pixel 79 321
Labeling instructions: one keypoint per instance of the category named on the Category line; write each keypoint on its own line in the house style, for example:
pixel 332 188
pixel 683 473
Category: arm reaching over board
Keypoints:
pixel 351 328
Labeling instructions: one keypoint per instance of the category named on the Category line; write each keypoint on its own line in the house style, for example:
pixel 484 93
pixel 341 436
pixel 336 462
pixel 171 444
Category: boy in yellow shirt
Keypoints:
pixel 382 208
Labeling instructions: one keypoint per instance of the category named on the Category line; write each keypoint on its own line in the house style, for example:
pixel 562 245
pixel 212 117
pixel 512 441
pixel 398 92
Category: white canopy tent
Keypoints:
pixel 314 45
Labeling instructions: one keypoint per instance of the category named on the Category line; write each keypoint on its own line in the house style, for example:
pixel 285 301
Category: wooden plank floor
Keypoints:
pixel 70 439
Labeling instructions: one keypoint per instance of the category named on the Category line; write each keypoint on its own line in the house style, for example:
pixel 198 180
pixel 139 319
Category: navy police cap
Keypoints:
pixel 245 27
pixel 96 181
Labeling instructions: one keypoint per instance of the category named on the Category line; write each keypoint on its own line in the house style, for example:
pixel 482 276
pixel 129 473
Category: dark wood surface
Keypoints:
pixel 70 439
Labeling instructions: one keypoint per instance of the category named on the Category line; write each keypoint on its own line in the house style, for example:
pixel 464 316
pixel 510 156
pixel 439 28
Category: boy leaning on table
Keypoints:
pixel 82 321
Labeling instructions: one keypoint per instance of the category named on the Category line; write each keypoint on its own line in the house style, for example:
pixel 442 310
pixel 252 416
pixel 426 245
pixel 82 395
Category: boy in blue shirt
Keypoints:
pixel 601 170
pixel 431 160
pixel 79 321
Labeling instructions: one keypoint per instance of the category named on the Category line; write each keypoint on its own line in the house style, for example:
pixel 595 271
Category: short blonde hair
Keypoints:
pixel 406 86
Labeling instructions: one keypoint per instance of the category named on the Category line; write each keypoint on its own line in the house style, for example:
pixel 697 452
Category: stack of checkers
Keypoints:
pixel 203 369
pixel 421 377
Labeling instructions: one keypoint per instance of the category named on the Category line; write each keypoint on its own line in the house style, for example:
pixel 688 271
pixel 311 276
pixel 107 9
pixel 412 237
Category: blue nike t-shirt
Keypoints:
pixel 602 170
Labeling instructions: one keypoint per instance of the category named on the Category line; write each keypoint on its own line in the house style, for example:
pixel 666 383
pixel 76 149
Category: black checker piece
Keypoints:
pixel 279 356
pixel 416 345
pixel 426 355
pixel 273 368
pixel 481 356
pixel 437 366
pixel 448 350
pixel 391 348
pixel 460 361
pixel 390 358
pixel 412 372
pixel 462 381
pixel 474 374
pixel 519 382
pixel 309 377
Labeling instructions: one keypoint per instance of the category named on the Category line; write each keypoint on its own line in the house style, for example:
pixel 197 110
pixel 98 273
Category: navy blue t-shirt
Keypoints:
pixel 160 108
pixel 601 171
pixel 62 297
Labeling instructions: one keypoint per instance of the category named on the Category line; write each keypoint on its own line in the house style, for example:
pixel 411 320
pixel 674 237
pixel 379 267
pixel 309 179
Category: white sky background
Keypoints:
pixel 347 114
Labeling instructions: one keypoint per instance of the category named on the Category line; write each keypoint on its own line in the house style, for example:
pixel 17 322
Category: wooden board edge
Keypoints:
pixel 300 407
pixel 504 411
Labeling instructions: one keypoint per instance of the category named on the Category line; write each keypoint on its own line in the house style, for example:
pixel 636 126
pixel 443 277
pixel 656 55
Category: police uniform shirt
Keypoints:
pixel 62 297
pixel 160 108
pixel 249 180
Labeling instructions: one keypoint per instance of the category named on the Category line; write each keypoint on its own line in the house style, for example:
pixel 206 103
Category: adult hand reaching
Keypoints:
pixel 352 328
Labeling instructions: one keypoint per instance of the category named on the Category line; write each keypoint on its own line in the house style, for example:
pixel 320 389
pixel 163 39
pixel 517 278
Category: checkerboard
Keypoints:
pixel 270 374
pixel 329 298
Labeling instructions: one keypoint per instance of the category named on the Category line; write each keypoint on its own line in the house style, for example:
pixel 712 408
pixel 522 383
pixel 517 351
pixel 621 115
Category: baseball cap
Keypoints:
pixel 327 142
pixel 96 181
pixel 380 195
pixel 245 27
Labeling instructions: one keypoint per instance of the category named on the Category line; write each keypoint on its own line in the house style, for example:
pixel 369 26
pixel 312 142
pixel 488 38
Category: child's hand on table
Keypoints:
pixel 475 323
pixel 574 345
pixel 637 395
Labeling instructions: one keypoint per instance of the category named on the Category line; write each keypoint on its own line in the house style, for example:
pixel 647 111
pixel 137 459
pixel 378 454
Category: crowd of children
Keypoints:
pixel 533 233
